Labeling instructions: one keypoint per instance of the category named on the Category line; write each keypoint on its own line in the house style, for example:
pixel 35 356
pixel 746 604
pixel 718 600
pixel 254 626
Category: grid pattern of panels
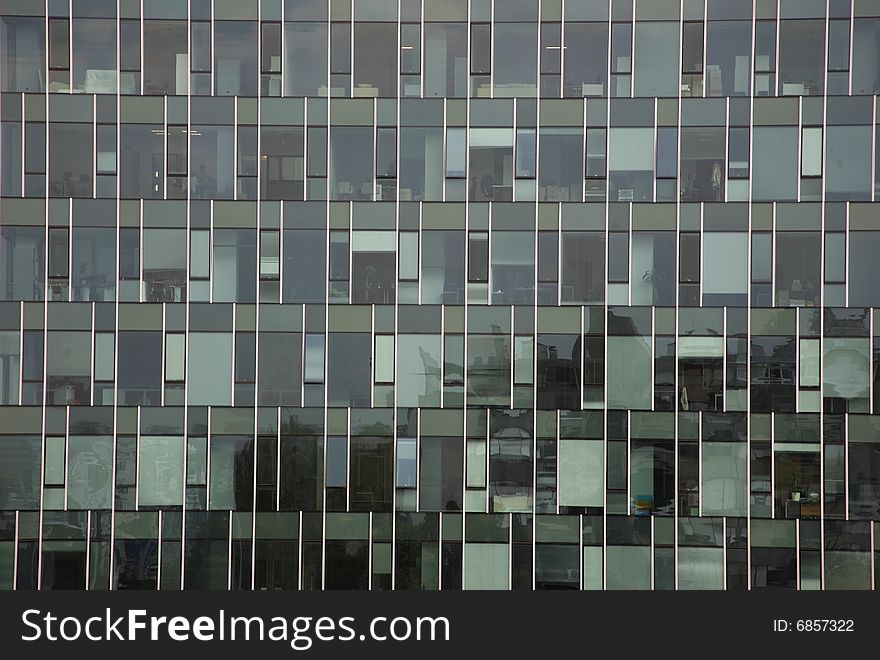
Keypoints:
pixel 439 294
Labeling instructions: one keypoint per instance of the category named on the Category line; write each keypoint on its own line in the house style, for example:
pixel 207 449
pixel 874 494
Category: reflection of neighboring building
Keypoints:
pixel 510 461
pixel 558 377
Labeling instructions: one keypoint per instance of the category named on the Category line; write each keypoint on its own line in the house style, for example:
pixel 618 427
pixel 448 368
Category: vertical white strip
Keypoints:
pixel 23 140
pixel 213 62
pixel 278 460
pixel 88 548
pixel 66 456
pixel 137 460
pixel 15 550
pixel 158 555
pixel 299 564
pixel 370 551
pixel 164 178
pixel 492 52
pixel 20 352
pixel 629 507
pixel 749 332
pixel 777 86
pixel 723 551
pixel 773 465
pixel 236 136
pixel 724 362
pixel 208 462
pixel 700 417
pixel 229 554
pixel 256 454
pixel 163 352
pixel 94 168
pixel 652 558
pixel 187 288
pixel 873 531
pixel 705 43
pixel 874 118
pixel 510 552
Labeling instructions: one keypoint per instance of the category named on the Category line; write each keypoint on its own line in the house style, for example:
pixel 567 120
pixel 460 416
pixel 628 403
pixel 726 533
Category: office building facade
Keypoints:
pixel 439 294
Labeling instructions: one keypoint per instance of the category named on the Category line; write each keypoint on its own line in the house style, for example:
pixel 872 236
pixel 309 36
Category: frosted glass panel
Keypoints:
pixel 725 262
pixel 724 471
pixel 210 368
pixel 486 566
pixel 581 470
pixel 629 373
pixel 628 567
pixel 657 54
pixel 160 471
pixel 700 568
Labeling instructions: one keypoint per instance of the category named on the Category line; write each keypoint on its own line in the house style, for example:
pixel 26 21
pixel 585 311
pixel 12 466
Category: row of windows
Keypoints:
pixel 241 551
pixel 638 150
pixel 780 466
pixel 707 366
pixel 447 50
pixel 802 259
